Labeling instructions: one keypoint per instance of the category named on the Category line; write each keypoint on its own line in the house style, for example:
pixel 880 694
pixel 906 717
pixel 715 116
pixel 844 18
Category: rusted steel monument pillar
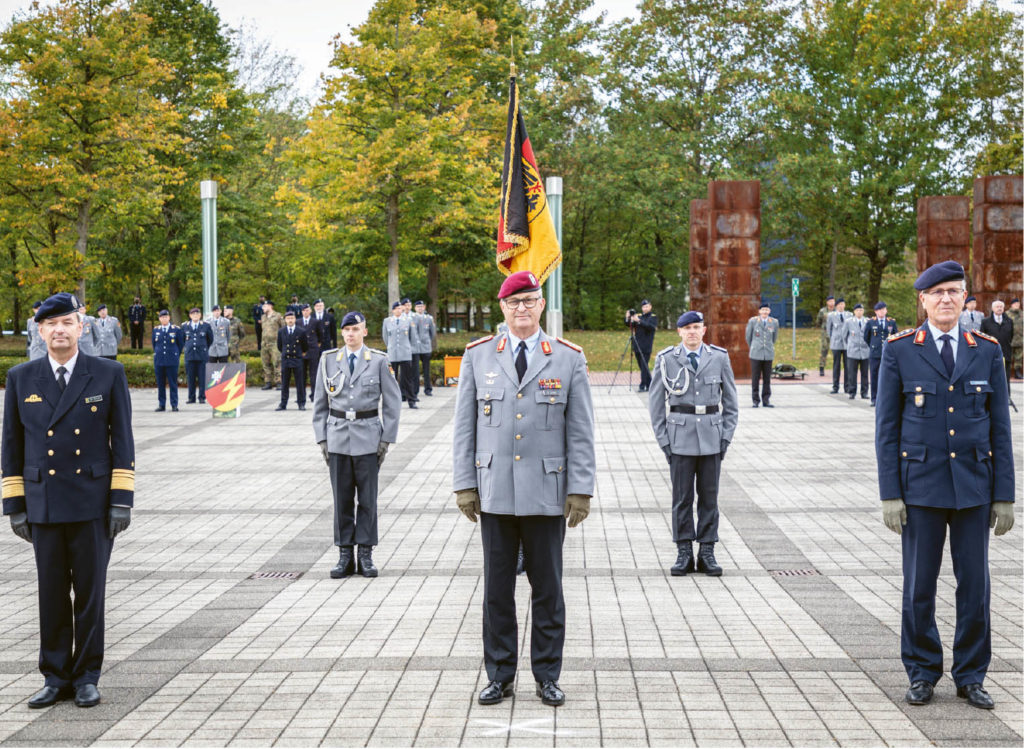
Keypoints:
pixel 699 255
pixel 998 245
pixel 943 233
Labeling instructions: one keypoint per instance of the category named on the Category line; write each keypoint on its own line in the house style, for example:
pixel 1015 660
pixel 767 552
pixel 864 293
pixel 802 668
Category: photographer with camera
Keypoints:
pixel 642 329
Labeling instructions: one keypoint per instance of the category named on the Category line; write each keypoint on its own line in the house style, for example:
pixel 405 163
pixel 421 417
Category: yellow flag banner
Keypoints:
pixel 526 230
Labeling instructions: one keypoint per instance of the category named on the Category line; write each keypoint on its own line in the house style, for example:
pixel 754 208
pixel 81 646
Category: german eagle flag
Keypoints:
pixel 526 231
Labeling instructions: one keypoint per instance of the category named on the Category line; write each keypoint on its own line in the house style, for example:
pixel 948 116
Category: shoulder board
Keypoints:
pixel 901 334
pixel 377 351
pixel 570 344
pixel 330 351
pixel 478 341
pixel 665 350
pixel 979 334
pixel 718 348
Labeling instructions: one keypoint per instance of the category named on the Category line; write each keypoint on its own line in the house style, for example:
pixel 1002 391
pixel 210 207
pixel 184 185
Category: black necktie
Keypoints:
pixel 947 353
pixel 521 360
pixel 693 360
pixel 61 382
pixel 351 363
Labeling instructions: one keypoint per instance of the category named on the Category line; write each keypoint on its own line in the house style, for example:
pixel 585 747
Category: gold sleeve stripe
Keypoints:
pixel 123 479
pixel 13 486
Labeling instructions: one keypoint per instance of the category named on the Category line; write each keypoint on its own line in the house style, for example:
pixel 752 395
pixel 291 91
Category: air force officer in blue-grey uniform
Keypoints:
pixel 945 459
pixel 524 461
pixel 168 342
pixel 356 406
pixel 68 486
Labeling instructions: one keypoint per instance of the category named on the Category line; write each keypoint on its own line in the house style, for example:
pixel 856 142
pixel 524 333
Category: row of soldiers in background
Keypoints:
pixel 317 328
pixel 100 334
pixel 1003 324
pixel 856 343
pixel 324 315
pixel 410 338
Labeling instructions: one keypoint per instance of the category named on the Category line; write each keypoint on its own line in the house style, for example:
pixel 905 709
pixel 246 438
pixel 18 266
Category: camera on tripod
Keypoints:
pixel 630 312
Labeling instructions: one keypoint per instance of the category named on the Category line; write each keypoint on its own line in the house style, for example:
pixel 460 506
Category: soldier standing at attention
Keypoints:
pixel 696 383
pixel 395 332
pixel 877 330
pixel 524 461
pixel 355 419
pixel 426 338
pixel 237 333
pixel 292 345
pixel 821 321
pixel 108 333
pixel 271 356
pixel 168 343
pixel 198 339
pixel 221 328
pixel 762 333
pixel 36 344
pixel 999 326
pixel 857 353
pixel 137 323
pixel 317 342
pixel 257 321
pixel 945 458
pixel 68 486
pixel 970 318
pixel 87 344
pixel 1017 342
pixel 835 329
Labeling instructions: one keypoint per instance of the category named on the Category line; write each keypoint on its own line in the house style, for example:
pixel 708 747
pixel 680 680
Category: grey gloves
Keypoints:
pixel 323 449
pixel 468 501
pixel 1000 518
pixel 118 520
pixel 667 449
pixel 723 446
pixel 894 515
pixel 577 507
pixel 19 524
pixel 382 450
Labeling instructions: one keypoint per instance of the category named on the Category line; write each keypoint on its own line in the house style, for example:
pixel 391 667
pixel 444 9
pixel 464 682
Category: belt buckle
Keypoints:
pixel 700 409
pixel 350 415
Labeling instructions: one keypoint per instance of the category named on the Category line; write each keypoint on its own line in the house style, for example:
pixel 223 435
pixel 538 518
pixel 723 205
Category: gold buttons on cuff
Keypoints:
pixel 952 432
pixel 49 452
pixel 52 471
pixel 517 457
pixel 49 433
pixel 952 455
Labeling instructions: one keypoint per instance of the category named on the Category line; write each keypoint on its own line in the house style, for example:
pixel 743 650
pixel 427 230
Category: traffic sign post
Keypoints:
pixel 796 293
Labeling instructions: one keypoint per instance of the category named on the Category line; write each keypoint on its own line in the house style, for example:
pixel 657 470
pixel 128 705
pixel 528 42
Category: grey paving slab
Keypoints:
pixel 797 644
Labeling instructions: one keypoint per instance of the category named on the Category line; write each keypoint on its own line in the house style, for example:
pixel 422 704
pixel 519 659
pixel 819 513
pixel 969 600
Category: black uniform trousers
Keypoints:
pixel 838 366
pixel 924 537
pixel 137 330
pixel 166 376
pixel 195 376
pixel 876 362
pixel 259 335
pixel 71 556
pixel 219 359
pixel 354 480
pixel 289 367
pixel 761 369
pixel 309 367
pixel 421 364
pixel 705 469
pixel 853 366
pixel 542 537
pixel 405 373
pixel 642 356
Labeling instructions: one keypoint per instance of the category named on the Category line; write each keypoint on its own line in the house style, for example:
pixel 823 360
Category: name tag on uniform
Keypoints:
pixel 94 399
pixel 979 382
pixel 553 383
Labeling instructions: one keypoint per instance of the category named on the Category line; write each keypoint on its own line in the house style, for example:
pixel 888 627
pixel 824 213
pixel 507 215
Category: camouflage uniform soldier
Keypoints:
pixel 272 322
pixel 1017 342
pixel 237 333
pixel 821 321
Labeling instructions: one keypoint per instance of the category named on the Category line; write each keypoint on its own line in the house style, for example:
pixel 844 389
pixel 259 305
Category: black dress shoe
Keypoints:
pixel 87 695
pixel 494 692
pixel 412 404
pixel 267 387
pixel 976 696
pixel 872 403
pixel 834 391
pixel 684 559
pixel 302 406
pixel 281 407
pixel 428 393
pixel 821 371
pixel 768 405
pixel 47 696
pixel 365 562
pixel 852 396
pixel 520 561
pixel 706 561
pixel 174 408
pixel 919 693
pixel 159 408
pixel 190 403
pixel 550 693
pixel 756 405
pixel 346 564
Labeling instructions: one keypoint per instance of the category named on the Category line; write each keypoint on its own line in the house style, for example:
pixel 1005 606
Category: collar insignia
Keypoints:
pixel 919 338
pixel 545 347
pixel 970 338
pixel 501 344
pixel 366 355
pixel 33 399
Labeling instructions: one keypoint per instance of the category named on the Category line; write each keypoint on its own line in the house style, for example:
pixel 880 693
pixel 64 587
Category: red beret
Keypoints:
pixel 522 280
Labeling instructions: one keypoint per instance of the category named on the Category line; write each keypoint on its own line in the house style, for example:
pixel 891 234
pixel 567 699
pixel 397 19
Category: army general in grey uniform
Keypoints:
pixel 696 383
pixel 356 405
pixel 524 461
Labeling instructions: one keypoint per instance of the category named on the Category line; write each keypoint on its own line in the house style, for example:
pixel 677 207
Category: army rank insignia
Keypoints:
pixel 546 348
pixel 553 383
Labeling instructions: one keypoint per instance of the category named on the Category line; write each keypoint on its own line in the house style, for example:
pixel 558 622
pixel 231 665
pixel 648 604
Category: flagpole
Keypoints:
pixel 553 290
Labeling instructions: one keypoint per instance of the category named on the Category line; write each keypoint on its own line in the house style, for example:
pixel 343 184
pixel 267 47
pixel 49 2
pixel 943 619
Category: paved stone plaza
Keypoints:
pixel 797 644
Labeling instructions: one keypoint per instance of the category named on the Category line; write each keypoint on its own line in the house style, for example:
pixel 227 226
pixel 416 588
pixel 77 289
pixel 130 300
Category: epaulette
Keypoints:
pixel 979 334
pixel 664 351
pixel 570 344
pixel 478 341
pixel 377 351
pixel 901 334
pixel 718 348
pixel 329 351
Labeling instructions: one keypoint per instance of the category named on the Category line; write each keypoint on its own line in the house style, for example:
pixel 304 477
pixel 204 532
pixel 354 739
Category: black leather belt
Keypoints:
pixel 694 409
pixel 353 415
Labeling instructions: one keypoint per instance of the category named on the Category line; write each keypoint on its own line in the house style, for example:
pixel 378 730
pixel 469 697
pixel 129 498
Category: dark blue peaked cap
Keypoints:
pixel 880 305
pixel 352 318
pixel 57 305
pixel 689 318
pixel 947 270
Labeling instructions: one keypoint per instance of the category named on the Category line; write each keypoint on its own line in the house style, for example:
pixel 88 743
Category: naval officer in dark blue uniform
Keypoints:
pixel 68 464
pixel 876 332
pixel 198 339
pixel 945 459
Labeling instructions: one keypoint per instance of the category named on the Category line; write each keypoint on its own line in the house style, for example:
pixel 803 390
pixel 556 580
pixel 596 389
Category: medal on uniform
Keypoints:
pixel 487 410
pixel 553 383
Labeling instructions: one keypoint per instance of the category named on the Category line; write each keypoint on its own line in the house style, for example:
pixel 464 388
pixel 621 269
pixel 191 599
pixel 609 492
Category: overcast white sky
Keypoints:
pixel 304 28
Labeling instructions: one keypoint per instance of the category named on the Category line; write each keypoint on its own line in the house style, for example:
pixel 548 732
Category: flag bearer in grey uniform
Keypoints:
pixel 523 460
pixel 835 329
pixel 762 333
pixel 88 344
pixel 36 344
pixel 857 353
pixel 426 337
pixel 221 327
pixel 696 380
pixel 395 332
pixel 108 333
pixel 354 381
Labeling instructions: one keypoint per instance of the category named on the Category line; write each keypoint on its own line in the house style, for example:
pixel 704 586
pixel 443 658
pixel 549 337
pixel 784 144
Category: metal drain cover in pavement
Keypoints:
pixel 275 575
pixel 794 573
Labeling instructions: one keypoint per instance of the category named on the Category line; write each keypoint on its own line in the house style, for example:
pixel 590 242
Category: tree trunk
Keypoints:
pixel 875 271
pixel 433 282
pixel 394 293
pixel 82 244
pixel 832 265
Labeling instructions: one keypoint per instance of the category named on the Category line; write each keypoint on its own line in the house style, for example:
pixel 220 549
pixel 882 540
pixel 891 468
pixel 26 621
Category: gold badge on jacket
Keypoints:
pixel 919 400
pixel 33 399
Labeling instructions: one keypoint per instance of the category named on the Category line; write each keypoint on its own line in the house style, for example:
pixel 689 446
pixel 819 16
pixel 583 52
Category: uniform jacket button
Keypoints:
pixel 517 457
pixel 519 416
pixel 519 436
pixel 952 455
pixel 518 395
pixel 478 463
pixel 951 388
pixel 49 433
pixel 952 432
pixel 79 452
pixel 49 452
pixel 78 470
pixel 77 431
pixel 52 471
pixel 917 389
pixel 951 409
pixel 904 455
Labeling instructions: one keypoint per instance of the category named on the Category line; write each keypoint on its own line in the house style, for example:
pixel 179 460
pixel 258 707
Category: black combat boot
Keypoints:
pixel 684 562
pixel 346 565
pixel 706 561
pixel 366 568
